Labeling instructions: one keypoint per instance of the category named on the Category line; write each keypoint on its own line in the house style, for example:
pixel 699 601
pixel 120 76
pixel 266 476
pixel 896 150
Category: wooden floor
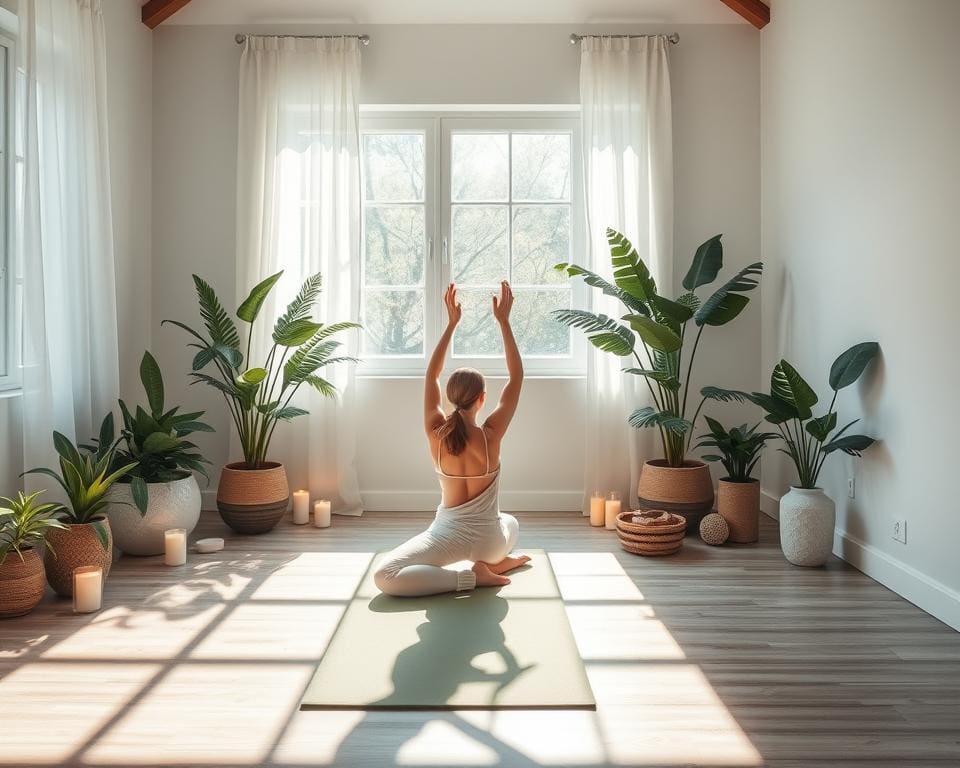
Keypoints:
pixel 714 657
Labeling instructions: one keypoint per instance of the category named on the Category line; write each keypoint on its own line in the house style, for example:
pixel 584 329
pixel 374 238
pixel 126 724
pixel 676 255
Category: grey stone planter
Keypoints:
pixel 171 505
pixel 807 520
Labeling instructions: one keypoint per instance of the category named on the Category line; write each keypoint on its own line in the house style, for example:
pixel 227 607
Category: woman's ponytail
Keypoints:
pixel 464 387
pixel 453 433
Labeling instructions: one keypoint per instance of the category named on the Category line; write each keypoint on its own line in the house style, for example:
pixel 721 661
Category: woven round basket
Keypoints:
pixel 72 547
pixel 253 501
pixel 686 491
pixel 650 540
pixel 21 583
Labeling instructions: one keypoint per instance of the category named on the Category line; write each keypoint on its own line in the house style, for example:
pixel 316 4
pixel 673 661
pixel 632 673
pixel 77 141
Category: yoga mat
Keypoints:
pixel 493 648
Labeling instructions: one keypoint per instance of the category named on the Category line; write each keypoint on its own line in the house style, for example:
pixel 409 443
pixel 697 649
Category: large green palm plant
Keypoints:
pixel 259 396
pixel 654 330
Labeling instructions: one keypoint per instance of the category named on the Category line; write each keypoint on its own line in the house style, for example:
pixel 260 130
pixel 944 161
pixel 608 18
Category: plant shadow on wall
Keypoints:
pixel 253 494
pixel 654 331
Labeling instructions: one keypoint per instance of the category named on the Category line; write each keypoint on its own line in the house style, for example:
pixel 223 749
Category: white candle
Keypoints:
pixel 596 509
pixel 612 509
pixel 87 589
pixel 321 513
pixel 301 507
pixel 175 546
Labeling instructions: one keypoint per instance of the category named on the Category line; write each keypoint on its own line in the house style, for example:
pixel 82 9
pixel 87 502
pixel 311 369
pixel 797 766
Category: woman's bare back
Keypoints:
pixel 467 475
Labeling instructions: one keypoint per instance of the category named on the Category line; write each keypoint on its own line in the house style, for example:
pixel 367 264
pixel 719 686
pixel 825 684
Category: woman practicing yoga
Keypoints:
pixel 469 524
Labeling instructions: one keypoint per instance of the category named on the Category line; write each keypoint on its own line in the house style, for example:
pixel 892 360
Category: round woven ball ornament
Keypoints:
pixel 714 529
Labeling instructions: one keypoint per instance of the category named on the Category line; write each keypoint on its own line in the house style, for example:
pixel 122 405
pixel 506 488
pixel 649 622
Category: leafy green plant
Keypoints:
pixel 259 397
pixel 24 523
pixel 739 448
pixel 789 405
pixel 154 441
pixel 656 327
pixel 86 476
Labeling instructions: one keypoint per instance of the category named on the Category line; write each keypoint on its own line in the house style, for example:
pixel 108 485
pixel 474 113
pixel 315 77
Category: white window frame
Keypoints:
pixel 437 127
pixel 10 278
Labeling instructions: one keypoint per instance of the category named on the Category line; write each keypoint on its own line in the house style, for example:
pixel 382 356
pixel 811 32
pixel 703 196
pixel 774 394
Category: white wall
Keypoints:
pixel 715 72
pixel 861 178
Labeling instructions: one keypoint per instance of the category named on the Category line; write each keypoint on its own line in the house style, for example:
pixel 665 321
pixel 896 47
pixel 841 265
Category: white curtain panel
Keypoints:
pixel 64 232
pixel 628 169
pixel 298 210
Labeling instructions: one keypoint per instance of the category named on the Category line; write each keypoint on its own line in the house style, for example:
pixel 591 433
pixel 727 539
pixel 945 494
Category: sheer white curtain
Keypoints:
pixel 628 174
pixel 64 232
pixel 298 210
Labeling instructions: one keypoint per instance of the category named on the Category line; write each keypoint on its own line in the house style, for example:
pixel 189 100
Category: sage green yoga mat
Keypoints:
pixel 492 648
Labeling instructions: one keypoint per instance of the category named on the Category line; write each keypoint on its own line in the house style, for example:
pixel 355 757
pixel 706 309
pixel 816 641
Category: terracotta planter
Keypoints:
pixel 72 547
pixel 253 501
pixel 686 491
pixel 807 520
pixel 739 505
pixel 169 505
pixel 21 583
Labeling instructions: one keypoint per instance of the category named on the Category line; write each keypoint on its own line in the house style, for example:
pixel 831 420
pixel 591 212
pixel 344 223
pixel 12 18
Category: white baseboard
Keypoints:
pixel 426 501
pixel 926 593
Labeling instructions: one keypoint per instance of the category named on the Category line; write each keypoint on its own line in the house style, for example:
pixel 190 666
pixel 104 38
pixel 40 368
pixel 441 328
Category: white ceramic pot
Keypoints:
pixel 170 505
pixel 807 521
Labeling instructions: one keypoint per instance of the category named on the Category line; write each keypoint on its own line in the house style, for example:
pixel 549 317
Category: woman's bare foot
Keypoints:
pixel 487 577
pixel 509 563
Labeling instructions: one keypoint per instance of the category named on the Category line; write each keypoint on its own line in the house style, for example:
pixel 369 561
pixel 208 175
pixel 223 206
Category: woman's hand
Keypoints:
pixel 503 304
pixel 454 312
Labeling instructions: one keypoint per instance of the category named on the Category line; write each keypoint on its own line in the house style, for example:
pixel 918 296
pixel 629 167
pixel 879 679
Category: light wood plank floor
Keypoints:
pixel 715 657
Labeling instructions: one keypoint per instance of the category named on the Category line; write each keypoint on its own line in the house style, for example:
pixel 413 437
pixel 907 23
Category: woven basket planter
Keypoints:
pixel 252 501
pixel 21 583
pixel 650 540
pixel 72 547
pixel 686 491
pixel 739 505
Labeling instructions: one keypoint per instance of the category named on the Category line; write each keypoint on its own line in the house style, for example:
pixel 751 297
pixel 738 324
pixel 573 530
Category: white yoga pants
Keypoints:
pixel 416 567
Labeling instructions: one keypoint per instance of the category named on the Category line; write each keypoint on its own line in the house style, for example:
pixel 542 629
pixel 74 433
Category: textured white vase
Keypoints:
pixel 170 505
pixel 807 521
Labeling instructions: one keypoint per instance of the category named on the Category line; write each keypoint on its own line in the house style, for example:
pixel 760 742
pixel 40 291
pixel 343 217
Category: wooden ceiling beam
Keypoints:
pixel 154 12
pixel 754 11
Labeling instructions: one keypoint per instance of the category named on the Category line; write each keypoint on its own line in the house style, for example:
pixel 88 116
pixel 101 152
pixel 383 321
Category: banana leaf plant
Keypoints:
pixel 259 396
pixel 656 331
pixel 789 405
pixel 154 439
pixel 86 476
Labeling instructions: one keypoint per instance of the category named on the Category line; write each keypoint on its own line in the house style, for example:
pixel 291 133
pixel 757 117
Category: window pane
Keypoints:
pixel 395 241
pixel 541 239
pixel 537 332
pixel 478 251
pixel 393 322
pixel 393 166
pixel 541 166
pixel 480 170
pixel 478 334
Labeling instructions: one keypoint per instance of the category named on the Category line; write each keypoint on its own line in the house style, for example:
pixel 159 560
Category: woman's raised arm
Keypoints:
pixel 432 411
pixel 500 419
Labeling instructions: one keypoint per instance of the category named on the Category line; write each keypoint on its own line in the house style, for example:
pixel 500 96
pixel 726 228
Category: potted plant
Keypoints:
pixel 253 494
pixel 654 331
pixel 807 514
pixel 160 492
pixel 23 524
pixel 85 539
pixel 738 494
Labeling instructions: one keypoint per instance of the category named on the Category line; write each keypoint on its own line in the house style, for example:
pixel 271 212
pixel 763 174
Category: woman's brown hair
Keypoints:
pixel 464 387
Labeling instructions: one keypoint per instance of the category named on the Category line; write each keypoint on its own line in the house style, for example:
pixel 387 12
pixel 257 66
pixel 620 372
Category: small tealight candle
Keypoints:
pixel 87 589
pixel 175 546
pixel 597 518
pixel 321 513
pixel 612 509
pixel 301 507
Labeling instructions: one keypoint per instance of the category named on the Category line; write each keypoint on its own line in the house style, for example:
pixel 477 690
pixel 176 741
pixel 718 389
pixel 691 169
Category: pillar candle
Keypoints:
pixel 597 509
pixel 175 546
pixel 321 513
pixel 301 507
pixel 87 589
pixel 612 509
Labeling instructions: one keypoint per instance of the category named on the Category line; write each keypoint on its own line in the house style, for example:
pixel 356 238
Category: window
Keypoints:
pixel 11 279
pixel 493 199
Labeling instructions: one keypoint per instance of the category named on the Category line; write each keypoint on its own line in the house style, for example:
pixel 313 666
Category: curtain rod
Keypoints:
pixel 673 37
pixel 364 39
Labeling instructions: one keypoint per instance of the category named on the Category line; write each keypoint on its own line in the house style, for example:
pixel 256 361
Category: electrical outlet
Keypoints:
pixel 851 488
pixel 900 531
